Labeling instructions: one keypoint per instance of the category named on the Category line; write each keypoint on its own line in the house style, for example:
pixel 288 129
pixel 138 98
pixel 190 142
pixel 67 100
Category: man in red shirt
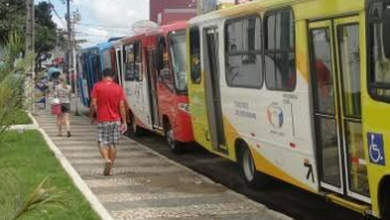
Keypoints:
pixel 108 102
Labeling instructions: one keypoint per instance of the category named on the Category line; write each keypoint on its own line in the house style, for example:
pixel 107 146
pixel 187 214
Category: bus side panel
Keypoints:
pixel 375 121
pixel 137 96
pixel 275 124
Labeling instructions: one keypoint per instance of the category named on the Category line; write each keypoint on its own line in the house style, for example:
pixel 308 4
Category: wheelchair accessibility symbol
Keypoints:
pixel 376 150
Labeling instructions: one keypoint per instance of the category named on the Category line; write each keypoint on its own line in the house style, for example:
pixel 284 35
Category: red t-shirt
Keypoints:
pixel 108 95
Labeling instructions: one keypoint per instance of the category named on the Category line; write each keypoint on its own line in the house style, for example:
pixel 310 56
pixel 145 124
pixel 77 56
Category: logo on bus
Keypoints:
pixel 275 115
pixel 376 150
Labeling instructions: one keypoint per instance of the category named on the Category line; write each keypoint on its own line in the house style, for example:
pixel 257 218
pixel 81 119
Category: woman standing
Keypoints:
pixel 63 91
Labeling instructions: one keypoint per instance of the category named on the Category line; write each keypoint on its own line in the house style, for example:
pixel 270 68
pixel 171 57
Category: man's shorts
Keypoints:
pixel 108 133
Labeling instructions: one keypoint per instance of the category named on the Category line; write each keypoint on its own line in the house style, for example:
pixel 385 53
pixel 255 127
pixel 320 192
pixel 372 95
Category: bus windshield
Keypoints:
pixel 177 49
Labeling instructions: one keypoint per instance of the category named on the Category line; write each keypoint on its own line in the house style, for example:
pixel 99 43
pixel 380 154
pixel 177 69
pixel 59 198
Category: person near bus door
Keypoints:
pixel 108 102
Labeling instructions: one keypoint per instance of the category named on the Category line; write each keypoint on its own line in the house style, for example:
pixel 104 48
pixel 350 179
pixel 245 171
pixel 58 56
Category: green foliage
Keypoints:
pixel 12 17
pixel 46 29
pixel 22 119
pixel 29 161
pixel 16 202
pixel 13 71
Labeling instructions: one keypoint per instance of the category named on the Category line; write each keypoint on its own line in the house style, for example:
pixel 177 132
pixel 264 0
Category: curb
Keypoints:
pixel 77 180
pixel 33 126
pixel 33 119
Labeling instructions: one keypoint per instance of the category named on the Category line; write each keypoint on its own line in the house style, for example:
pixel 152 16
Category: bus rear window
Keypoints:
pixel 379 57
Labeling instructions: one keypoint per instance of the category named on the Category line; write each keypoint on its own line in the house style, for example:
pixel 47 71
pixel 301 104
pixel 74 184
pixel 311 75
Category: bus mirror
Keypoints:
pixel 386 32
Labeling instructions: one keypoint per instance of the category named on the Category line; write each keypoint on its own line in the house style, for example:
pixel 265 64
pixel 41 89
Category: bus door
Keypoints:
pixel 335 52
pixel 96 72
pixel 152 87
pixel 119 61
pixel 212 87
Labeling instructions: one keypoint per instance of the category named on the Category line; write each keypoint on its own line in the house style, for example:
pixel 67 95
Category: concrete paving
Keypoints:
pixel 147 186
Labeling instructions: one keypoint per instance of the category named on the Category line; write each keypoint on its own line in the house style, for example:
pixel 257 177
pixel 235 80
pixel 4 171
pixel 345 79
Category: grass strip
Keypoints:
pixel 29 157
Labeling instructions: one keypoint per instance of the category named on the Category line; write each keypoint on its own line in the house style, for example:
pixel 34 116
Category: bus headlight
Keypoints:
pixel 185 107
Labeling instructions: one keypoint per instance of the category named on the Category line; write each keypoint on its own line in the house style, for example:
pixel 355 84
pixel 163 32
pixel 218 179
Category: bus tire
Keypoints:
pixel 253 179
pixel 384 199
pixel 173 145
pixel 135 129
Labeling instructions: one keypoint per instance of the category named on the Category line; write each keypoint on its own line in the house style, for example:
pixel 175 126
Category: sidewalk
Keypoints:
pixel 146 185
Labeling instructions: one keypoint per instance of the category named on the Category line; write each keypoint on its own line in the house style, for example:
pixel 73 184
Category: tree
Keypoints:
pixel 12 17
pixel 46 36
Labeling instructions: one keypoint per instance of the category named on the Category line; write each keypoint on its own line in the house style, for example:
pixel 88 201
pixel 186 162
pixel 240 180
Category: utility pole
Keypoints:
pixel 76 18
pixel 29 49
pixel 69 32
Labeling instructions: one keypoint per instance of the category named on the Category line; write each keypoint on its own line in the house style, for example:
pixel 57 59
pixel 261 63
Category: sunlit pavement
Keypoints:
pixel 146 185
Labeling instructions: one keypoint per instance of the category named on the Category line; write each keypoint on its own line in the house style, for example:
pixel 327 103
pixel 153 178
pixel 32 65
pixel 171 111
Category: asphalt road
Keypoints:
pixel 281 197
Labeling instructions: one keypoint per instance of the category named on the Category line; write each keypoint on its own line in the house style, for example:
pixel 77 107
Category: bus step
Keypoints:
pixel 158 130
pixel 361 208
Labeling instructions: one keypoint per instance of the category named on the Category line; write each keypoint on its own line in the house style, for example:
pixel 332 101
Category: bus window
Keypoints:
pixel 137 61
pixel 163 63
pixel 177 47
pixel 279 57
pixel 243 53
pixel 96 69
pixel 107 59
pixel 195 55
pixel 129 63
pixel 379 62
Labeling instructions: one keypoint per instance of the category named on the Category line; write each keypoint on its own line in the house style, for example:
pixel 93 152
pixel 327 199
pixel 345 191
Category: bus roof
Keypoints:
pixel 320 7
pixel 164 29
pixel 172 26
pixel 99 46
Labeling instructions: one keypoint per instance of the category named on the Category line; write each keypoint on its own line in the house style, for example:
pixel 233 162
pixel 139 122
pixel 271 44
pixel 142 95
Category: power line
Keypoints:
pixel 56 13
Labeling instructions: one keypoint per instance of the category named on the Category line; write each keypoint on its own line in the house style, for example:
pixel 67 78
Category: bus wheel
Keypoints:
pixel 385 204
pixel 135 129
pixel 168 132
pixel 252 178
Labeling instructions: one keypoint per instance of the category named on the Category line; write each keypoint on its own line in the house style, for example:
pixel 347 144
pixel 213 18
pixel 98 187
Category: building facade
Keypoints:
pixel 168 11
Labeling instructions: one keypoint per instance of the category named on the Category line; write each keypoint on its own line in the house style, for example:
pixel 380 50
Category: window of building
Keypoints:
pixel 279 44
pixel 379 57
pixel 195 61
pixel 243 52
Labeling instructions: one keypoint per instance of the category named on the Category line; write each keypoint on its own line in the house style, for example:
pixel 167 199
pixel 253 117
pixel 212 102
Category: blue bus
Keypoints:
pixel 92 61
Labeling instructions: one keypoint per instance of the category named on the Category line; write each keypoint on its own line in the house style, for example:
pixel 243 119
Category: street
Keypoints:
pixel 280 197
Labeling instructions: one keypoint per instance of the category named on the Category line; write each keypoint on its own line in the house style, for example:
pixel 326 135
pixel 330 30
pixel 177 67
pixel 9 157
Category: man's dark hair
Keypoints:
pixel 107 73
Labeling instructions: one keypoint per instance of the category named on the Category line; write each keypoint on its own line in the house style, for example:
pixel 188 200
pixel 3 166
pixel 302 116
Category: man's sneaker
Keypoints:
pixel 107 169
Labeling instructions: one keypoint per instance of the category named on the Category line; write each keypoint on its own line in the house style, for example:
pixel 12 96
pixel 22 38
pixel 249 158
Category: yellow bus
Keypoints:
pixel 298 90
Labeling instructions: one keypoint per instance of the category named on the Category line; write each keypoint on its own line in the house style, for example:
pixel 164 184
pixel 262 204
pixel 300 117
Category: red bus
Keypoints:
pixel 153 67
